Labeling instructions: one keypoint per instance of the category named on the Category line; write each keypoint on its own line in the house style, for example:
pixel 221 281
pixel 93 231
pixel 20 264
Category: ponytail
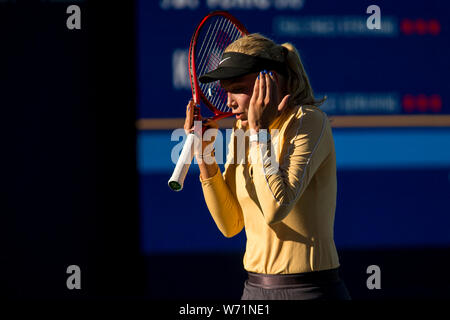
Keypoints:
pixel 298 84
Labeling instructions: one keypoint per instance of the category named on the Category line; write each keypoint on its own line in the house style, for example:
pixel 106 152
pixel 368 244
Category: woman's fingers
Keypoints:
pixel 255 94
pixel 270 86
pixel 265 100
pixel 188 122
pixel 262 88
pixel 209 123
pixel 190 108
pixel 192 115
pixel 210 130
pixel 272 94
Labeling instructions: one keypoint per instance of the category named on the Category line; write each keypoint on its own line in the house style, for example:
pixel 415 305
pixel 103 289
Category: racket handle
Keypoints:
pixel 184 161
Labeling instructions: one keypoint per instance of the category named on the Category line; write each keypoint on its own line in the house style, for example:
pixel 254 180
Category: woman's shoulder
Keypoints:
pixel 310 114
pixel 306 122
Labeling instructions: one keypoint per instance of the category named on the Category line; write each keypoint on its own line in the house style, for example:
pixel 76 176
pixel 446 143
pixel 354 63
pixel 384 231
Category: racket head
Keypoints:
pixel 212 36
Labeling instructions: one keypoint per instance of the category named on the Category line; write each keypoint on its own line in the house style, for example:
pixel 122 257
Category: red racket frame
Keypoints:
pixel 197 94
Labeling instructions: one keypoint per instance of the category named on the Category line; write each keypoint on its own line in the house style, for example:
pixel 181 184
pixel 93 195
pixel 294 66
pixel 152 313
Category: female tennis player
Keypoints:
pixel 284 193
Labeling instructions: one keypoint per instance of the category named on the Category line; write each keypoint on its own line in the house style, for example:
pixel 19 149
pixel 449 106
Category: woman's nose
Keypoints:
pixel 230 101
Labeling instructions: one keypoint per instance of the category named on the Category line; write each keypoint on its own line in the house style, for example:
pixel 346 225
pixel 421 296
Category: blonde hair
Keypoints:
pixel 298 84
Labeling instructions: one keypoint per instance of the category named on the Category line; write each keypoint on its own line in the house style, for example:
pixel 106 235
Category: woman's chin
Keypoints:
pixel 244 123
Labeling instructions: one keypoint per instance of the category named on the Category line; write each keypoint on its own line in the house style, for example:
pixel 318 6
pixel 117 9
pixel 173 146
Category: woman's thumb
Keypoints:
pixel 284 102
pixel 209 123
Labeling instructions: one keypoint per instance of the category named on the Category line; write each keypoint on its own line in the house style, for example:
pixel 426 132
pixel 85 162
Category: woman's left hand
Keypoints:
pixel 266 103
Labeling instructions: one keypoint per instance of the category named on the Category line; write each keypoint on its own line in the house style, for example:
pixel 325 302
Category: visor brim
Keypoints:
pixel 223 73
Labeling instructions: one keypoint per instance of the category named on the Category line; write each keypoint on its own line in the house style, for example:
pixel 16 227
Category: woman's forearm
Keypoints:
pixel 221 202
pixel 207 170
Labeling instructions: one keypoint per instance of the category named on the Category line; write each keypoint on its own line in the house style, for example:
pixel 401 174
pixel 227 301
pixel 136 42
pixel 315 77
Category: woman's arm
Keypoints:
pixel 280 185
pixel 207 170
pixel 220 196
pixel 221 202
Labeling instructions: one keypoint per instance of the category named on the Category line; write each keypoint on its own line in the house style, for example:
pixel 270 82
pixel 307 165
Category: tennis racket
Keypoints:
pixel 211 37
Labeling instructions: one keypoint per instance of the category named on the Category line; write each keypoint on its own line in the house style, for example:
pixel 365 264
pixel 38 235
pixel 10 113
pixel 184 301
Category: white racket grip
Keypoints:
pixel 184 161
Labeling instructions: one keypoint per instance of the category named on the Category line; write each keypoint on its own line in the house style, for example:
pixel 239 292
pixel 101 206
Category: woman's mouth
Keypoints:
pixel 239 115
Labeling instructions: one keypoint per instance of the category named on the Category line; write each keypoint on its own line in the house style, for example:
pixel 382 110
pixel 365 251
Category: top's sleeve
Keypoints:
pixel 279 185
pixel 220 197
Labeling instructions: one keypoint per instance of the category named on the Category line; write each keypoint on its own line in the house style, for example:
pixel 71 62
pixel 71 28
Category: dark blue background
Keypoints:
pixel 393 183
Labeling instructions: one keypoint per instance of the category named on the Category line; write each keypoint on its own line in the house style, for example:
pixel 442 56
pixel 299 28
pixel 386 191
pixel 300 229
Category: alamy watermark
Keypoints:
pixel 374 20
pixel 374 280
pixel 74 280
pixel 74 20
pixel 212 140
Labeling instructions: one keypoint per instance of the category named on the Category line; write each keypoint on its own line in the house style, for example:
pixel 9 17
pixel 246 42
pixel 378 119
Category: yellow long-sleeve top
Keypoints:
pixel 287 206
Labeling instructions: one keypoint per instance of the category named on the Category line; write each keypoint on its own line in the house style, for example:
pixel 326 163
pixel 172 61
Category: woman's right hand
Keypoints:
pixel 207 137
pixel 189 121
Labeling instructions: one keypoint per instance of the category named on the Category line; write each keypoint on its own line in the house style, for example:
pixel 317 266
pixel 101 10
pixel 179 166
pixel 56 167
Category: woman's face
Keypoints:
pixel 239 92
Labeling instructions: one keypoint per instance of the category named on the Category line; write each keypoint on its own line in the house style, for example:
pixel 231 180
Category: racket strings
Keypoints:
pixel 228 37
pixel 201 57
pixel 217 36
